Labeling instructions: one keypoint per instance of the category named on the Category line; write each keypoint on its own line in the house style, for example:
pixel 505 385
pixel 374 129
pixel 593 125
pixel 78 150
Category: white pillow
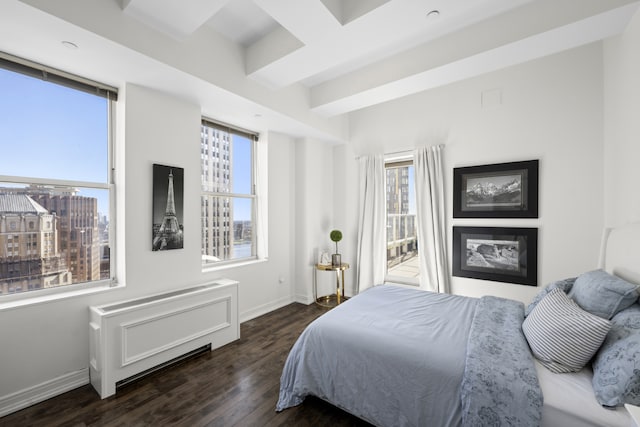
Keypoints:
pixel 561 335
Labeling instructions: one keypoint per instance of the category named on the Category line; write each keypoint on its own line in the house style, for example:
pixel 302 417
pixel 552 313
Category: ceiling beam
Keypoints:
pixel 403 75
pixel 179 19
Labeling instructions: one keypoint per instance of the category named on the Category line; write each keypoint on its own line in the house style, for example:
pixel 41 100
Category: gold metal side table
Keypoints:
pixel 330 300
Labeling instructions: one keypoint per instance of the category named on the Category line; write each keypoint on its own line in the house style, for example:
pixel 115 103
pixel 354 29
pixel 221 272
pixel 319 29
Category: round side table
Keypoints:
pixel 330 300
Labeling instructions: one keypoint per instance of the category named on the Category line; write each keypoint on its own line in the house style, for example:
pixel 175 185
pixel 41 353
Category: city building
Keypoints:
pixel 402 243
pixel 217 212
pixel 78 242
pixel 29 255
pixel 79 238
pixel 105 249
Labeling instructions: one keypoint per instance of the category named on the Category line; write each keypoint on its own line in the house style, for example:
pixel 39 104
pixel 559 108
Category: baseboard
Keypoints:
pixel 303 299
pixel 46 390
pixel 265 308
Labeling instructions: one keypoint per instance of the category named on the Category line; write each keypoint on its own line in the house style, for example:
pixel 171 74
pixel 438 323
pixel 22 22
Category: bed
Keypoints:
pixel 395 356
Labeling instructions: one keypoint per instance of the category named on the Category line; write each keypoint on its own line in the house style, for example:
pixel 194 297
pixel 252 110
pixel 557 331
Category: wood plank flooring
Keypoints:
pixel 236 385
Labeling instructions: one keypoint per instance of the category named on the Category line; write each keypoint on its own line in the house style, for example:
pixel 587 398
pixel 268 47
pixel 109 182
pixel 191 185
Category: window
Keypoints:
pixel 228 200
pixel 55 134
pixel 402 238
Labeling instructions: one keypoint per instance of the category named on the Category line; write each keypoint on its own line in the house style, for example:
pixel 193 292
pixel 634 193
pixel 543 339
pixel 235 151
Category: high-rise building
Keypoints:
pixel 78 230
pixel 401 229
pixel 105 248
pixel 217 212
pixel 29 255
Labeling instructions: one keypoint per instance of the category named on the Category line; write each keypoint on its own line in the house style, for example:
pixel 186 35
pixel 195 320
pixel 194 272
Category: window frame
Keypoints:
pixel 39 71
pixel 253 137
pixel 392 163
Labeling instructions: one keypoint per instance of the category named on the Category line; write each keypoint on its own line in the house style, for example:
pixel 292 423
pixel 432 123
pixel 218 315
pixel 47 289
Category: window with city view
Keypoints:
pixel 402 239
pixel 55 180
pixel 228 208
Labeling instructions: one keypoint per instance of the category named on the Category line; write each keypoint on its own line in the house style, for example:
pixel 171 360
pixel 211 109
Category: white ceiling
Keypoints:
pixel 243 22
pixel 294 65
pixel 356 53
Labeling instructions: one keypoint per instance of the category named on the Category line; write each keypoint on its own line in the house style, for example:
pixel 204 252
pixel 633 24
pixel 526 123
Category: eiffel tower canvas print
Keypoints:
pixel 168 202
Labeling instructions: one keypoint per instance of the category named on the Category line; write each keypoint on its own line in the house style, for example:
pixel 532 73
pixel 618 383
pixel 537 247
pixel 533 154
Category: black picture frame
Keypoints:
pixel 168 208
pixel 500 190
pixel 500 254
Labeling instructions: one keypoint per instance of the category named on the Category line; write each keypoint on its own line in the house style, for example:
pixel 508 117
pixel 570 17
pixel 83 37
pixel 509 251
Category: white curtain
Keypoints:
pixel 372 239
pixel 431 219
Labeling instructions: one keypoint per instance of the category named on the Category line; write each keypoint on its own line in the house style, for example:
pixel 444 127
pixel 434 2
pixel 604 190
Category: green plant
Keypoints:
pixel 335 236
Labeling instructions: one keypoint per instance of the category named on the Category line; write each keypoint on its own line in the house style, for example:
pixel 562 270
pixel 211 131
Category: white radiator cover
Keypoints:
pixel 130 337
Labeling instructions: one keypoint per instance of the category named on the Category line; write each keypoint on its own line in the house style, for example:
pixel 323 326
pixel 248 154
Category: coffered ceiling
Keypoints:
pixel 298 66
pixel 356 53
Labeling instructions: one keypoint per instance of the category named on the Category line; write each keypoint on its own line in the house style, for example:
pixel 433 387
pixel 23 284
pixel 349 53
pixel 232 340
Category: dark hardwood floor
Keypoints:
pixel 236 385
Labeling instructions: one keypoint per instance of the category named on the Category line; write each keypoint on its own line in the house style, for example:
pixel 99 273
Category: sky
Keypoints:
pixel 41 121
pixel 241 176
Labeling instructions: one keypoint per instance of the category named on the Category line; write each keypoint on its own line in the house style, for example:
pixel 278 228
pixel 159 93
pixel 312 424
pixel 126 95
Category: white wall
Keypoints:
pixel 49 342
pixel 176 142
pixel 549 109
pixel 622 125
pixel 314 213
pixel 345 211
pixel 159 129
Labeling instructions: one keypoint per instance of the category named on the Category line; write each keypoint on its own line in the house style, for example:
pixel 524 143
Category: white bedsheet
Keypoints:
pixel 569 401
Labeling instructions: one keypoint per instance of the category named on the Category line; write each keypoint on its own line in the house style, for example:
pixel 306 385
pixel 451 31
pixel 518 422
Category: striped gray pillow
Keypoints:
pixel 562 336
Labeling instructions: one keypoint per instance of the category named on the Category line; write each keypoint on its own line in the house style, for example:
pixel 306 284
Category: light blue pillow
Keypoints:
pixel 602 294
pixel 628 318
pixel 616 367
pixel 564 285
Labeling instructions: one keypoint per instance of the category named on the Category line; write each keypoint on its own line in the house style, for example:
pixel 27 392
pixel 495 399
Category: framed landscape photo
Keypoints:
pixel 501 190
pixel 501 254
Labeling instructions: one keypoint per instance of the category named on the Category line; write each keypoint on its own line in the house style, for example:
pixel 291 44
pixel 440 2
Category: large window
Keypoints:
pixel 402 238
pixel 228 200
pixel 55 161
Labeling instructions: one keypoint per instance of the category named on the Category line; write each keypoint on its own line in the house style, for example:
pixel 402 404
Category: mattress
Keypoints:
pixel 569 401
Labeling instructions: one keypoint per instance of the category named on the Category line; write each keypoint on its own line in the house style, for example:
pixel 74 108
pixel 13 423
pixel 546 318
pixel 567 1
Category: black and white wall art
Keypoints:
pixel 168 203
pixel 501 254
pixel 501 190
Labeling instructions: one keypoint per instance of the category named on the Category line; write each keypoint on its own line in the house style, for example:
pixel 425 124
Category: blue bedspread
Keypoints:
pixel 392 356
pixel 500 385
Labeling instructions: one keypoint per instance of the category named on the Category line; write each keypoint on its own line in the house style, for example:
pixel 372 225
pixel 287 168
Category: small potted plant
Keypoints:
pixel 336 236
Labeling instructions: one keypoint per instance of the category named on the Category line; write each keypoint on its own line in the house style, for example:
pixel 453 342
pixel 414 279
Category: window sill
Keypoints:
pixel 26 300
pixel 209 268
